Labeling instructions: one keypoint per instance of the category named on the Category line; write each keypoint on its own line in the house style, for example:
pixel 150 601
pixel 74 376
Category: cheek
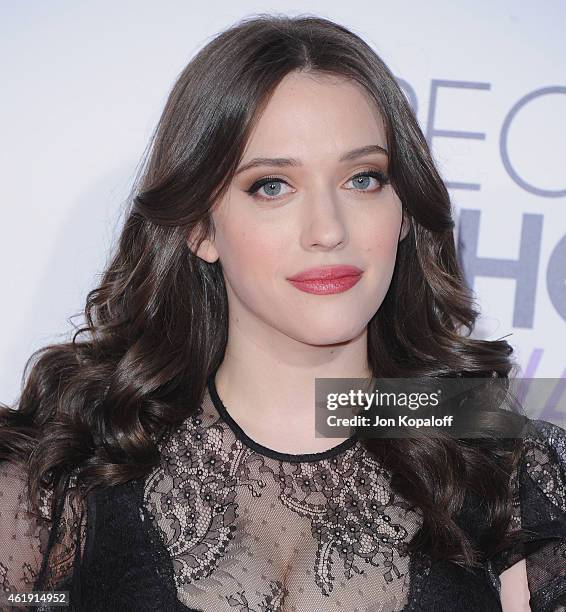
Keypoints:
pixel 380 235
pixel 253 253
pixel 381 240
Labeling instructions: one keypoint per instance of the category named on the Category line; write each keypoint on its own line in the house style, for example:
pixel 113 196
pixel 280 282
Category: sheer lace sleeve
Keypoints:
pixel 539 509
pixel 37 553
pixel 22 536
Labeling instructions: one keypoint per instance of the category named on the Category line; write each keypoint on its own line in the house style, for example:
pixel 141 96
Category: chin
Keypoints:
pixel 318 336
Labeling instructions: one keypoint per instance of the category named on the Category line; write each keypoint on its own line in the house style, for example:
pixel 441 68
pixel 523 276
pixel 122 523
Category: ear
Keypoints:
pixel 405 227
pixel 206 250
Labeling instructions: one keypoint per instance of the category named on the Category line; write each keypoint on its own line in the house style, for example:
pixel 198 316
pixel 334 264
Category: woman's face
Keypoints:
pixel 309 214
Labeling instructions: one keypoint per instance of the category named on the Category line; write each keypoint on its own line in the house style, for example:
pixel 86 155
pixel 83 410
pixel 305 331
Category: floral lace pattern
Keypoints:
pixel 222 525
pixel 548 470
pixel 538 488
pixel 233 519
pixel 26 535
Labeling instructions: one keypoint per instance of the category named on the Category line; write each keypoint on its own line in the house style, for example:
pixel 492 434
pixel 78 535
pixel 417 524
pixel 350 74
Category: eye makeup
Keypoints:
pixel 379 176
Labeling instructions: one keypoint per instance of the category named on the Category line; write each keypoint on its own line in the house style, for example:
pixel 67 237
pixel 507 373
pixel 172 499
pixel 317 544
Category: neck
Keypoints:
pixel 268 388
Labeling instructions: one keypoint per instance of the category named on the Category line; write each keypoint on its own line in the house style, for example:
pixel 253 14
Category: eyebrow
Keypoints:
pixel 281 162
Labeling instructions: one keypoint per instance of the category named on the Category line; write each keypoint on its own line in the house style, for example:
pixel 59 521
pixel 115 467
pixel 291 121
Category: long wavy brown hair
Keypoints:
pixel 156 326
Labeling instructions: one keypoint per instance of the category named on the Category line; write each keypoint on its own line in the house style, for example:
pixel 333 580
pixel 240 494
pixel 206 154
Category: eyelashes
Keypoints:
pixel 380 177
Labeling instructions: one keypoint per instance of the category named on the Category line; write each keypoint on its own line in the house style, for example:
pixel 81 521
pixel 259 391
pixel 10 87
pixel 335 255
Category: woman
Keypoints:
pixel 170 447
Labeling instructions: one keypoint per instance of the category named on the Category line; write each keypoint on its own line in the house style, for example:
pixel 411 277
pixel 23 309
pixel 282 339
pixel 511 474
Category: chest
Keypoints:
pixel 265 537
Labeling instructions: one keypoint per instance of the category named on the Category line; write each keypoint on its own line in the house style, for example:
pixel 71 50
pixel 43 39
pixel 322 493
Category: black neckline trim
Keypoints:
pixel 264 450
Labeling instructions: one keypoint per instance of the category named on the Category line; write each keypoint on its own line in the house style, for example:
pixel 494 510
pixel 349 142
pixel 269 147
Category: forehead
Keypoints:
pixel 314 114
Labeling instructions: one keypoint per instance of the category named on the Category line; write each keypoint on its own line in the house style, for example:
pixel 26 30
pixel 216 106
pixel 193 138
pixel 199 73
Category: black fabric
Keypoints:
pixel 221 523
pixel 140 574
pixel 539 490
pixel 123 568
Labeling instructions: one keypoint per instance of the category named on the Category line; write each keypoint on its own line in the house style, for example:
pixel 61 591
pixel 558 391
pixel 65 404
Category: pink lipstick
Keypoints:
pixel 326 280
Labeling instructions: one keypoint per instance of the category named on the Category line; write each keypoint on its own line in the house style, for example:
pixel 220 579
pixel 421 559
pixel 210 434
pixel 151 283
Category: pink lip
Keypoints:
pixel 326 273
pixel 331 279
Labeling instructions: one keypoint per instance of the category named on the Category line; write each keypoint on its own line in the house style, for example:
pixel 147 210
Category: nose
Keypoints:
pixel 323 223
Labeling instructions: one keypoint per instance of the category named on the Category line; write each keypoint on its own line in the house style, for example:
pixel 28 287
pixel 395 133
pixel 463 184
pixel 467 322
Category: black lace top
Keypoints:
pixel 225 524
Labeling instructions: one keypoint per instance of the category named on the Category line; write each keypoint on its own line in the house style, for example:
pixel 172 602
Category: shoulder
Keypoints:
pixel 542 464
pixel 37 537
pixel 537 563
pixel 546 433
pixel 23 533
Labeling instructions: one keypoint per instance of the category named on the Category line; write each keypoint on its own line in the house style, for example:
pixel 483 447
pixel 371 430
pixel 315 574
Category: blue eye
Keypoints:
pixel 361 180
pixel 271 183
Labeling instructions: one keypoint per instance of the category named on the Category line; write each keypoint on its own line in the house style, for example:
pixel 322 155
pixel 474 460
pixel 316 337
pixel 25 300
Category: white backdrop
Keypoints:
pixel 84 83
